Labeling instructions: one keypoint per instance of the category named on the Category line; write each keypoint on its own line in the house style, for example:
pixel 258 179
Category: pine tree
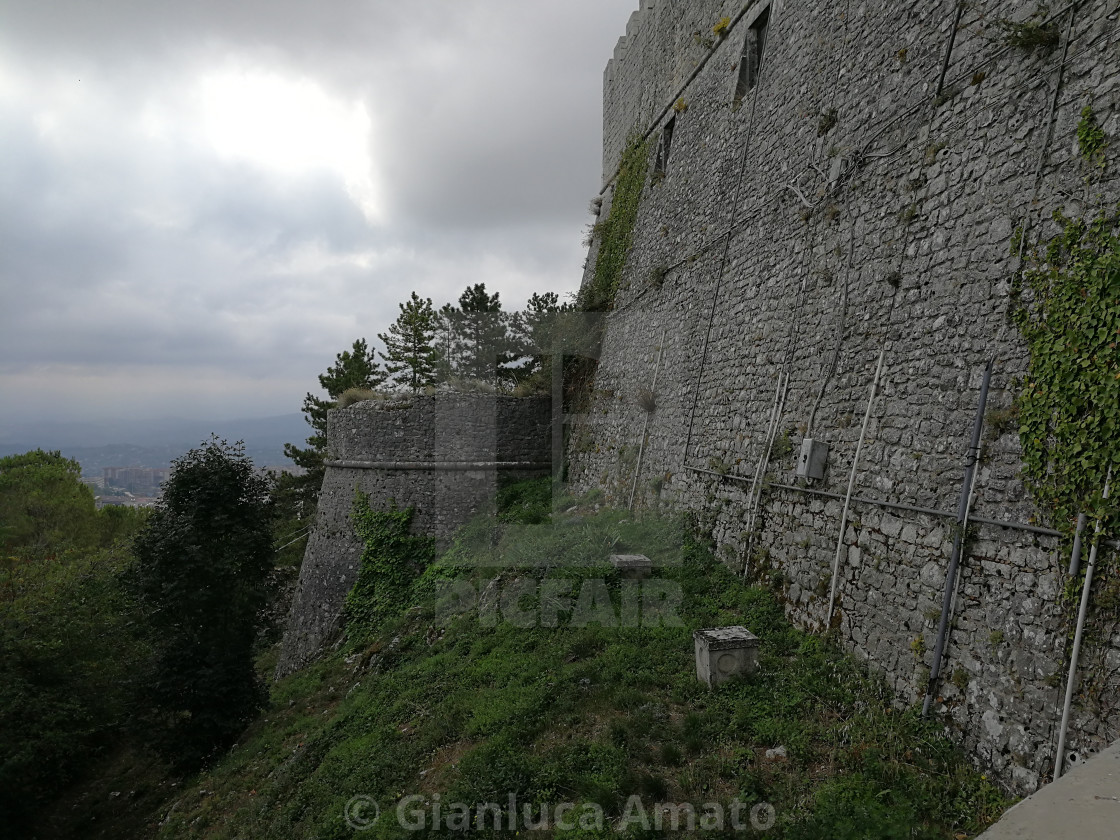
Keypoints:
pixel 354 368
pixel 449 320
pixel 411 358
pixel 533 332
pixel 482 343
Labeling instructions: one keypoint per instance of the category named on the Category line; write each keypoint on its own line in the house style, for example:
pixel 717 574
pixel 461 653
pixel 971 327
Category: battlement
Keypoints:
pixel 663 44
pixel 633 27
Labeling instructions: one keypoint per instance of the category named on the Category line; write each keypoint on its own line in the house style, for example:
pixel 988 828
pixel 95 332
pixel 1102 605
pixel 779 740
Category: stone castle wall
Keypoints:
pixel 844 207
pixel 444 455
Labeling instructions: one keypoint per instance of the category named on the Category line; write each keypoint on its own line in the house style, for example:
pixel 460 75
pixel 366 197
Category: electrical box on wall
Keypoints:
pixel 814 456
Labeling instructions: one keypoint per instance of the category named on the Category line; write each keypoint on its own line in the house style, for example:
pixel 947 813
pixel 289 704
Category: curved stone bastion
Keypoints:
pixel 443 454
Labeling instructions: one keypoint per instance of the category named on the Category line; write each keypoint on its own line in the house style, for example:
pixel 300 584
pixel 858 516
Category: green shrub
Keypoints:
pixel 526 502
pixel 201 575
pixel 1091 140
pixel 69 655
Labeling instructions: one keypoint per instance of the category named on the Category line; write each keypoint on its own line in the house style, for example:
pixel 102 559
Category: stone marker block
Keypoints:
pixel 632 565
pixel 724 652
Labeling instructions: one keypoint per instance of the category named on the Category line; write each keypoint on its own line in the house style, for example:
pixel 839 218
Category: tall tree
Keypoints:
pixel 44 507
pixel 482 343
pixel 448 320
pixel 533 332
pixel 69 644
pixel 354 368
pixel 411 356
pixel 202 566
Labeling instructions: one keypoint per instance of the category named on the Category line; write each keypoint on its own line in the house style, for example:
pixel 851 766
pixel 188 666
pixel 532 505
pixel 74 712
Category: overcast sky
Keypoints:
pixel 203 202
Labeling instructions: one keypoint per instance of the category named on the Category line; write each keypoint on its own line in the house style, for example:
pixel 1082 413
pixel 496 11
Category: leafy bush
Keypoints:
pixel 202 566
pixel 69 652
pixel 527 502
pixel 69 648
pixel 1091 139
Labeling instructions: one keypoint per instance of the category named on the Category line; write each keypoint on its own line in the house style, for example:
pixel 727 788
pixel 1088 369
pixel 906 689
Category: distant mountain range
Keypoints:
pixel 152 443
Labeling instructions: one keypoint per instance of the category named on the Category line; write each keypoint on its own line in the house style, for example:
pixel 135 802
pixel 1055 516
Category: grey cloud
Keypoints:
pixel 486 125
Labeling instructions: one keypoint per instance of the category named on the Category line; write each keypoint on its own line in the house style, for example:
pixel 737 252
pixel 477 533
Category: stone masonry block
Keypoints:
pixel 634 566
pixel 723 653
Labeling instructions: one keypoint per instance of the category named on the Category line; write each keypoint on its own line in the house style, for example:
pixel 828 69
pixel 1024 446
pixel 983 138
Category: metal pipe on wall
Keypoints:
pixel 1075 555
pixel 645 423
pixel 1071 680
pixel 851 486
pixel 763 459
pixel 958 540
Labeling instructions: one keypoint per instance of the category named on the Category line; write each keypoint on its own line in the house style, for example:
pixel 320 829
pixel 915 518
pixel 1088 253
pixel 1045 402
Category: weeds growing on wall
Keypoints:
pixel 614 235
pixel 1066 302
pixel 1036 32
pixel 616 232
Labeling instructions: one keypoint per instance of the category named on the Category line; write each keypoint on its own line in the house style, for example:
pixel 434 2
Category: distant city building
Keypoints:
pixel 140 481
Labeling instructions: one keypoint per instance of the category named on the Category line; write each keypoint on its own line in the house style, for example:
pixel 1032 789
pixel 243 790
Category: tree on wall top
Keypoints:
pixel 481 343
pixel 411 356
pixel 448 319
pixel 354 368
pixel 533 333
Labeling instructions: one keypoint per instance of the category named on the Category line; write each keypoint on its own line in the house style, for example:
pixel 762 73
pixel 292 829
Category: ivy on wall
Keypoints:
pixel 392 560
pixel 1091 140
pixel 1066 302
pixel 616 232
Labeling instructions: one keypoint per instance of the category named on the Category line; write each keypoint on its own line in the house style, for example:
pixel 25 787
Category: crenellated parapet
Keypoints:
pixel 664 42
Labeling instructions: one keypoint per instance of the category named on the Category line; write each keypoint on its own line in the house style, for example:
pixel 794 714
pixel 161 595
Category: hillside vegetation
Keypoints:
pixel 479 705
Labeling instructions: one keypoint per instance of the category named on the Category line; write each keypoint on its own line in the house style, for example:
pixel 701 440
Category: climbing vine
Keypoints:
pixel 392 559
pixel 616 232
pixel 1091 139
pixel 1066 302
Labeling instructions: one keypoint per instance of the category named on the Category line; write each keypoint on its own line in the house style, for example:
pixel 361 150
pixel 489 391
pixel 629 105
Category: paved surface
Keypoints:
pixel 1083 804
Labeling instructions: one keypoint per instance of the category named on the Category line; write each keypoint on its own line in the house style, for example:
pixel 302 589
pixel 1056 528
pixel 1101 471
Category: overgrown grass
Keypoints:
pixel 589 714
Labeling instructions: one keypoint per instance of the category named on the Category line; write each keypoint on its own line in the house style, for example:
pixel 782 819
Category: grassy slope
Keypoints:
pixel 588 714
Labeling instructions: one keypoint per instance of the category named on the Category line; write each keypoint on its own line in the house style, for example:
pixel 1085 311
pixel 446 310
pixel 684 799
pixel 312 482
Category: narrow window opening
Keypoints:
pixel 661 165
pixel 751 62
